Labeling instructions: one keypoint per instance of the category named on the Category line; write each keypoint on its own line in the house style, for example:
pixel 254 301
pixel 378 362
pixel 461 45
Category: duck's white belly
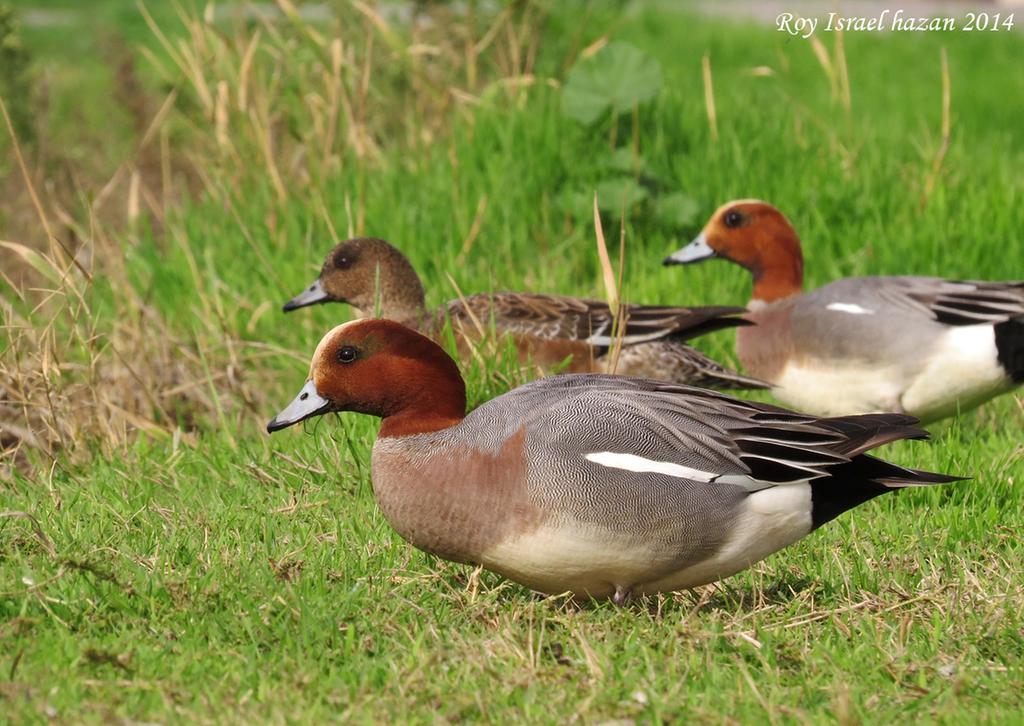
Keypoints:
pixel 590 560
pixel 963 371
pixel 825 389
pixel 959 371
pixel 573 556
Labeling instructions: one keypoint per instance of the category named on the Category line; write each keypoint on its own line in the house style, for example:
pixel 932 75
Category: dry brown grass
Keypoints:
pixel 290 101
pixel 302 104
pixel 72 379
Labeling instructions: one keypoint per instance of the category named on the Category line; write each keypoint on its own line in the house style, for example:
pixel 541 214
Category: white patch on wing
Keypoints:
pixel 962 371
pixel 632 462
pixel 768 520
pixel 850 308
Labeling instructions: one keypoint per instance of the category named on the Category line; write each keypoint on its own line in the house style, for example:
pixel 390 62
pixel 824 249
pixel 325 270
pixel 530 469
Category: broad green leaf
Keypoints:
pixel 616 79
pixel 676 209
pixel 622 159
pixel 616 195
pixel 575 203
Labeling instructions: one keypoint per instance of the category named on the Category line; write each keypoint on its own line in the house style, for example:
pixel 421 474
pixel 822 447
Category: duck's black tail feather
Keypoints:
pixel 865 477
pixel 868 431
pixel 1010 347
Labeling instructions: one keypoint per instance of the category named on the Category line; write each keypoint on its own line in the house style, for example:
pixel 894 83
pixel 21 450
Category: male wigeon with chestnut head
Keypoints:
pixel 918 345
pixel 597 485
pixel 371 274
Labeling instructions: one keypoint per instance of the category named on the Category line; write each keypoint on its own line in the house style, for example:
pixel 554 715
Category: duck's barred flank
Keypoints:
pixel 550 332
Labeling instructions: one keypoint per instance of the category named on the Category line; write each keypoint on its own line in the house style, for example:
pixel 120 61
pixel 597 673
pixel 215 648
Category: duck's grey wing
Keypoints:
pixel 908 298
pixel 895 320
pixel 967 302
pixel 699 435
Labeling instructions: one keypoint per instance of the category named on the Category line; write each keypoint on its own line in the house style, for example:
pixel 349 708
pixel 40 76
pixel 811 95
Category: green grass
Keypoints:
pixel 218 574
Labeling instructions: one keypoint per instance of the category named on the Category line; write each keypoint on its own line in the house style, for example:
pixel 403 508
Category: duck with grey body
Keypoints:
pixel 925 346
pixel 603 486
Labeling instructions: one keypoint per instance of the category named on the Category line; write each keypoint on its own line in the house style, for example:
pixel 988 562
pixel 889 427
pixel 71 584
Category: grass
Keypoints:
pixel 192 568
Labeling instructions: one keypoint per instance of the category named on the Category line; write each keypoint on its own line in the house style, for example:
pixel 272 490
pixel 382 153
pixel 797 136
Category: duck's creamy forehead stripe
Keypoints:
pixel 850 308
pixel 734 202
pixel 324 341
pixel 632 462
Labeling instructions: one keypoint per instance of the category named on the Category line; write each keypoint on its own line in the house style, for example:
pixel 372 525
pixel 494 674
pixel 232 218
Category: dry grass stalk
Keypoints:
pixel 709 97
pixel 612 285
pixel 835 69
pixel 474 229
pixel 821 53
pixel 482 331
pixel 842 74
pixel 73 380
pixel 946 132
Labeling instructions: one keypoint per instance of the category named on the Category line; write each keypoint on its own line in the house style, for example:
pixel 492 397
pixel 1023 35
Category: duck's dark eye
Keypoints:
pixel 733 218
pixel 343 260
pixel 347 354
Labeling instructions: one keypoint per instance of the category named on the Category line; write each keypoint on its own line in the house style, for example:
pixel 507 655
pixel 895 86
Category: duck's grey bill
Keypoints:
pixel 307 404
pixel 696 251
pixel 312 295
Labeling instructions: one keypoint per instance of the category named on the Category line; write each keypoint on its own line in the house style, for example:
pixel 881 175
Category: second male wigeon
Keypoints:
pixel 592 484
pixel 371 274
pixel 920 345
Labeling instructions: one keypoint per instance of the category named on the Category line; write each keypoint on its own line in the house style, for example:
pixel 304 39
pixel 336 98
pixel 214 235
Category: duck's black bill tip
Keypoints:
pixel 312 295
pixel 275 425
pixel 682 258
pixel 297 302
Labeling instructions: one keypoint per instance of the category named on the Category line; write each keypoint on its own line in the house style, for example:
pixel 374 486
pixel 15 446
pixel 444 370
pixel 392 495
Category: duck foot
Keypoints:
pixel 621 595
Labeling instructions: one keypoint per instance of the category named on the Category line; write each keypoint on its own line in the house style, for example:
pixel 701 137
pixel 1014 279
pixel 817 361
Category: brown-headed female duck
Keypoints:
pixel 592 484
pixel 918 345
pixel 371 274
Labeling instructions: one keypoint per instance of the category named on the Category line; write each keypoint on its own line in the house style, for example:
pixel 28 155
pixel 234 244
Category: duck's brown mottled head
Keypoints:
pixel 381 368
pixel 756 236
pixel 363 272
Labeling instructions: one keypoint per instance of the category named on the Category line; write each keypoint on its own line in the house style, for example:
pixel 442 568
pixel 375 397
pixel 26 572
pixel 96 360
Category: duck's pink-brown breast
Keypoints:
pixel 450 500
pixel 766 347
